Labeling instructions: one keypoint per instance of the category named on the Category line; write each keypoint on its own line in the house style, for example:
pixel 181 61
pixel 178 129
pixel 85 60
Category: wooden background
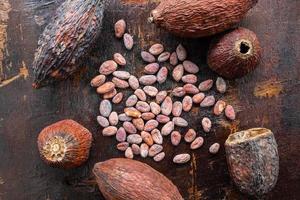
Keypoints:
pixel 268 97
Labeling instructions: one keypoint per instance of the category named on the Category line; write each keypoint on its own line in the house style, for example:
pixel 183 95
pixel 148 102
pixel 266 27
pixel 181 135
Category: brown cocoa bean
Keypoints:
pixel 140 94
pixel 138 123
pixel 120 27
pixel 221 85
pixel 150 90
pixel 214 148
pixel 147 79
pixel 142 106
pixel 132 112
pixel 208 101
pixel 177 109
pixel 229 112
pixel 175 138
pixel 159 157
pixel 121 74
pixel 135 149
pixel 167 128
pixel 144 149
pixel 155 149
pixel 173 59
pixel 105 108
pixel 122 146
pixel 119 59
pixel 162 119
pixel 108 67
pixel 187 103
pixel 129 128
pixel 147 138
pixel 182 158
pixel 163 57
pixel 206 85
pixel 190 89
pixel 98 80
pixel 131 101
pixel 190 67
pixel 133 82
pixel 102 121
pixel 178 72
pixel 119 83
pixel 162 75
pixel 150 125
pixel 124 117
pixel 147 57
pixel 155 108
pixel 181 52
pixel 178 92
pixel 118 98
pixel 134 139
pixel 113 118
pixel 156 136
pixel 110 94
pixel 129 153
pixel 179 121
pixel 109 131
pixel 219 107
pixel 206 124
pixel 121 135
pixel 189 78
pixel 190 135
pixel 166 106
pixel 128 41
pixel 198 98
pixel 197 143
pixel 151 68
pixel 147 116
pixel 161 96
pixel 156 49
pixel 105 88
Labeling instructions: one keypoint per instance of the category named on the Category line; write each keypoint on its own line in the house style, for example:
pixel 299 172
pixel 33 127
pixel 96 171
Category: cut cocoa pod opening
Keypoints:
pixel 247 135
pixel 244 48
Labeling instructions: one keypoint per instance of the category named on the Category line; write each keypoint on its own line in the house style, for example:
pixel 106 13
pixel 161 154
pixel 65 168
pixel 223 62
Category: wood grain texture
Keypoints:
pixel 24 111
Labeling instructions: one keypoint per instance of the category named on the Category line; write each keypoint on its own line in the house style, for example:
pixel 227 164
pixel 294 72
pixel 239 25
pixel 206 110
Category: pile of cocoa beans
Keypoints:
pixel 150 115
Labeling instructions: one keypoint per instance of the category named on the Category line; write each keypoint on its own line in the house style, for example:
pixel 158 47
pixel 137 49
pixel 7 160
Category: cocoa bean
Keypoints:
pixel 178 92
pixel 198 98
pixel 134 139
pixel 156 49
pixel 147 116
pixel 162 75
pixel 129 128
pixel 187 103
pixel 155 108
pixel 110 94
pixel 156 136
pixel 109 131
pixel 131 101
pixel 138 123
pixel 105 88
pixel 181 52
pixel 229 112
pixel 221 85
pixel 122 146
pixel 189 78
pixel 144 149
pixel 147 138
pixel 206 85
pixel 197 143
pixel 102 121
pixel 119 59
pixel 132 112
pixel 161 96
pixel 163 57
pixel 206 124
pixel 208 101
pixel 120 27
pixel 155 149
pixel 118 98
pixel 219 107
pixel 121 135
pixel 133 82
pixel 167 128
pixel 113 118
pixel 214 148
pixel 190 89
pixel 179 121
pixel 98 80
pixel 105 108
pixel 147 79
pixel 119 83
pixel 159 157
pixel 121 74
pixel 175 138
pixel 151 68
pixel 108 67
pixel 125 117
pixel 166 106
pixel 147 57
pixel 190 135
pixel 140 94
pixel 162 119
pixel 190 67
pixel 135 149
pixel 128 41
pixel 142 106
pixel 177 109
pixel 150 125
pixel 178 72
pixel 173 59
pixel 182 158
pixel 129 153
pixel 150 90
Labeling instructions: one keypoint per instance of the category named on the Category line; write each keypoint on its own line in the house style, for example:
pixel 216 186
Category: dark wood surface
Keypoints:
pixel 268 97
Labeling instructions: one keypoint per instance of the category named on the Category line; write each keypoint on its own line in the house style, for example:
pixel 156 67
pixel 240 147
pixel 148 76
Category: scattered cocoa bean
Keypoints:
pixel 121 135
pixel 181 52
pixel 122 146
pixel 144 149
pixel 173 59
pixel 129 128
pixel 219 107
pixel 166 106
pixel 162 119
pixel 129 153
pixel 178 92
pixel 147 79
pixel 187 103
pixel 182 158
pixel 190 67
pixel 119 59
pixel 142 106
pixel 197 143
pixel 120 27
pixel 135 149
pixel 155 108
pixel 179 121
pixel 131 101
pixel 150 125
pixel 109 131
pixel 147 116
pixel 229 112
pixel 159 157
pixel 198 98
pixel 128 41
pixel 105 108
pixel 118 98
pixel 113 118
pixel 178 72
pixel 161 96
pixel 162 75
pixel 125 117
pixel 206 85
pixel 119 83
pixel 147 57
pixel 190 89
pixel 177 109
pixel 98 80
pixel 155 149
pixel 150 90
pixel 189 78
pixel 214 148
pixel 133 82
pixel 221 85
pixel 108 67
pixel 156 136
pixel 105 88
pixel 110 94
pixel 175 138
pixel 102 121
pixel 147 138
pixel 140 94
pixel 121 74
pixel 156 49
pixel 208 101
pixel 134 139
pixel 206 124
pixel 163 57
pixel 138 123
pixel 167 128
pixel 151 68
pixel 190 135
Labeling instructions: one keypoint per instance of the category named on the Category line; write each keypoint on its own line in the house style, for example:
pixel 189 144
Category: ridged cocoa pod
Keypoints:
pixel 67 39
pixel 253 161
pixel 65 144
pixel 199 18
pixel 235 53
pixel 125 179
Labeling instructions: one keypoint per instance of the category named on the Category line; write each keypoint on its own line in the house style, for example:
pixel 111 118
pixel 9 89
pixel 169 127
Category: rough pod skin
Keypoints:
pixel 199 18
pixel 235 53
pixel 253 161
pixel 126 179
pixel 66 39
pixel 65 144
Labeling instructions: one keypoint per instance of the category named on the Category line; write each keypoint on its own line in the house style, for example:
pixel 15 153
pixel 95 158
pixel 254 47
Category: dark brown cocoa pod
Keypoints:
pixel 234 54
pixel 253 160
pixel 66 39
pixel 193 18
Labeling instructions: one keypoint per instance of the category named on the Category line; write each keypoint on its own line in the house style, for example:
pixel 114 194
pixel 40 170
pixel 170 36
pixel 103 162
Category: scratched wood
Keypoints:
pixel 268 97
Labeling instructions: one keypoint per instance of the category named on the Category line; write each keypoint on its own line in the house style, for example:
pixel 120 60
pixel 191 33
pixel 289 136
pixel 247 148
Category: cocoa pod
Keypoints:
pixel 150 90
pixel 98 80
pixel 173 59
pixel 133 82
pixel 66 39
pixel 112 177
pixel 128 41
pixel 131 112
pixel 156 49
pixel 194 18
pixel 140 94
pixel 119 59
pixel 147 57
pixel 163 57
pixel 151 68
pixel 178 72
pixel 162 75
pixel 121 74
pixel 189 78
pixel 181 52
pixel 105 88
pixel 120 28
pixel 108 67
pixel 190 67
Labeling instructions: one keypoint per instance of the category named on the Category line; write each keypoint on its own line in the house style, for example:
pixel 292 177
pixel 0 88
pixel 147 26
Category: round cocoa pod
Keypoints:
pixel 253 161
pixel 234 54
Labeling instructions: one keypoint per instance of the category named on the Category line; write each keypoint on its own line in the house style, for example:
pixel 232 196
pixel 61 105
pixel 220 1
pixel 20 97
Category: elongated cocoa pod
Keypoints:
pixel 253 161
pixel 66 39
pixel 125 179
pixel 199 18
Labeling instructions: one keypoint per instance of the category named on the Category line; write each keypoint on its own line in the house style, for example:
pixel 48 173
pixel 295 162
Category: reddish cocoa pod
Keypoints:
pixel 173 59
pixel 138 123
pixel 190 89
pixel 198 98
pixel 178 92
pixel 162 119
pixel 234 54
pixel 118 178
pixel 147 57
pixel 109 131
pixel 151 68
pixel 121 135
pixel 181 52
pixel 177 109
pixel 110 94
pixel 128 41
pixel 219 107
pixel 187 103
pixel 133 82
pixel 150 125
pixel 147 116
pixel 147 79
pixel 197 143
pixel 167 128
pixel 108 67
pixel 162 75
pixel 150 90
pixel 98 80
pixel 190 135
pixel 190 67
pixel 121 74
pixel 194 18
pixel 206 124
pixel 156 49
pixel 166 106
pixel 105 88
pixel 118 98
pixel 190 78
pixel 155 149
pixel 175 138
pixel 140 94
pixel 206 85
pixel 64 144
pixel 129 127
pixel 229 112
pixel 119 59
pixel 147 138
pixel 119 83
pixel 208 101
pixel 122 146
pixel 221 85
pixel 253 160
pixel 120 28
pixel 66 39
pixel 160 97
pixel 163 57
pixel 178 72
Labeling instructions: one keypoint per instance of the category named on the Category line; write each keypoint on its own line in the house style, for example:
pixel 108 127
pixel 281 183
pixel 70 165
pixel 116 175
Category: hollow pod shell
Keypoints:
pixel 199 18
pixel 253 160
pixel 234 54
pixel 126 179
pixel 64 144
